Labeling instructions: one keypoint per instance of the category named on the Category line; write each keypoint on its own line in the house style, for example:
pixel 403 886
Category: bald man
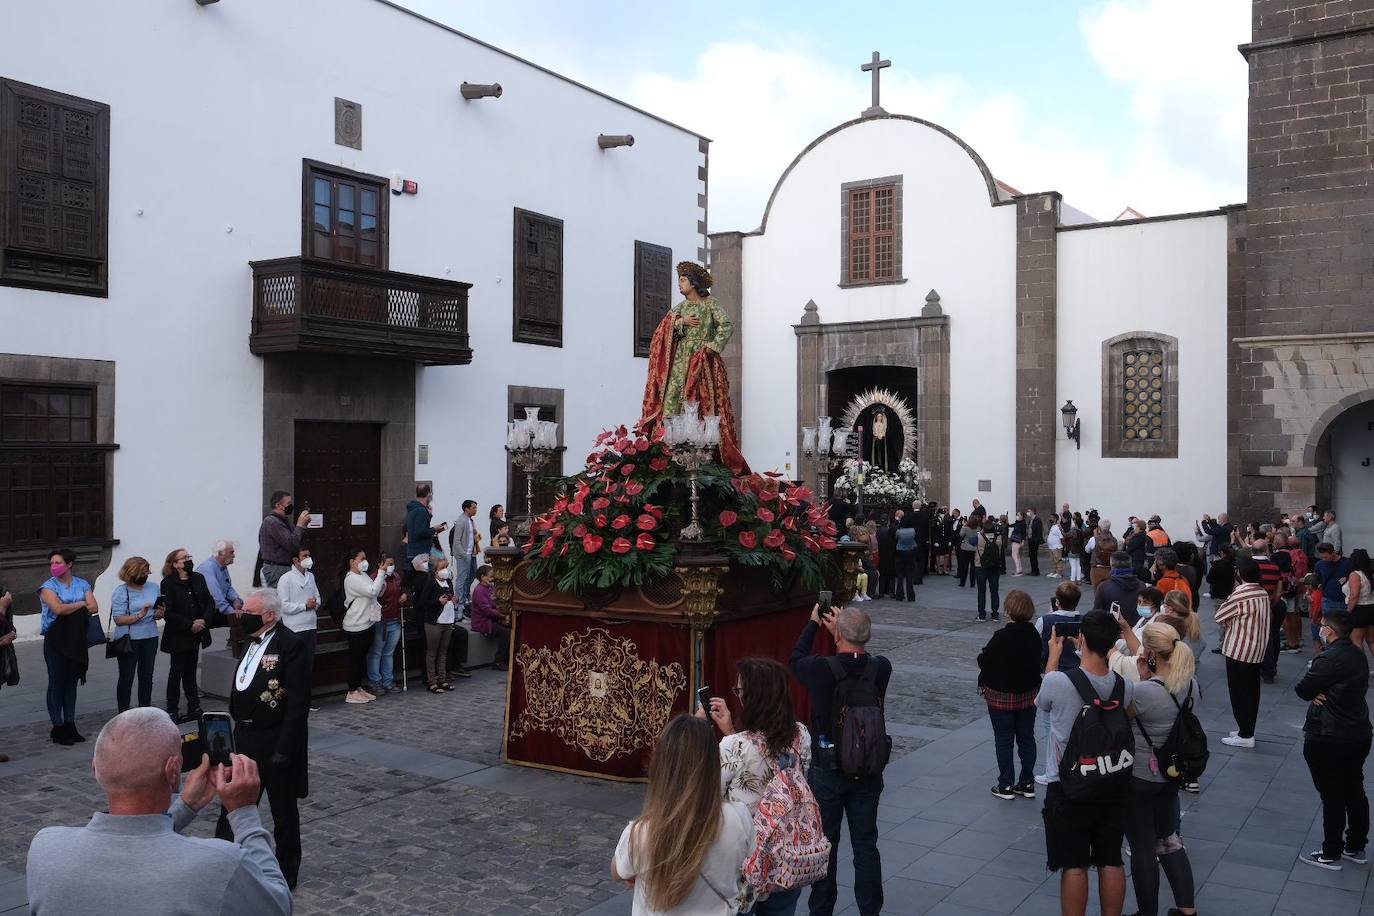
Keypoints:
pixel 135 854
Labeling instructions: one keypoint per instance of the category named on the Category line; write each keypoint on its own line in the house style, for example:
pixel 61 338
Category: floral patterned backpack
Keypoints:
pixel 790 848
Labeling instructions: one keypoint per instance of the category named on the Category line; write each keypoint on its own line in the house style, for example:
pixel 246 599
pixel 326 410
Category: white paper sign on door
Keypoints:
pixel 316 520
pixel 359 518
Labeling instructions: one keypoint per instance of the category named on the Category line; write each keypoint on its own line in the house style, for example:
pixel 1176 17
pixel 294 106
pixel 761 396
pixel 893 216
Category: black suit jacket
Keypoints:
pixel 277 703
pixel 921 523
pixel 187 602
pixel 1037 531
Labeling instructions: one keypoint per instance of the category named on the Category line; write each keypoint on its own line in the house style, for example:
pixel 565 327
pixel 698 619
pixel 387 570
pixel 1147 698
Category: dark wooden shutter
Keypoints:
pixel 538 279
pixel 54 190
pixel 653 291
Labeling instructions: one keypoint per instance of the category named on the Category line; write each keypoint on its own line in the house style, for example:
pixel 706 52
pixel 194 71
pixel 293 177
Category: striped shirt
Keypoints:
pixel 1270 575
pixel 1245 618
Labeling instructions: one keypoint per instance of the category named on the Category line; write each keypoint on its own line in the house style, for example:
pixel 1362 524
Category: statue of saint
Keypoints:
pixel 880 441
pixel 685 362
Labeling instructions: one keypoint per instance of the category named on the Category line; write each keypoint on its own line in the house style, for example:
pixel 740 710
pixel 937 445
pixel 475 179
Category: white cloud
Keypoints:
pixel 1185 148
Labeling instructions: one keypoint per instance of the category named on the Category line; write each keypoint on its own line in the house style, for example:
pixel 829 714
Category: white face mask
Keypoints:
pixel 308 563
pixel 362 567
pixel 442 574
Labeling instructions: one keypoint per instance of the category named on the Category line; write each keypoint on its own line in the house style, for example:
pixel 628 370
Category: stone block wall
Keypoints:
pixel 1037 410
pixel 1301 326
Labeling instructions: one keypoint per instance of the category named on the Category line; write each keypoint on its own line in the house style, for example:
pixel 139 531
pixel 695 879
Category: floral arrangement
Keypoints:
pixel 617 521
pixel 882 486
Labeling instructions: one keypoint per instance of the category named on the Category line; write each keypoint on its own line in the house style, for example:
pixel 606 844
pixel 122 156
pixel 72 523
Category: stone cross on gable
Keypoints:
pixel 875 66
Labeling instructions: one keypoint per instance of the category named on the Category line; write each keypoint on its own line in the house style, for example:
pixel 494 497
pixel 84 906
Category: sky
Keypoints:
pixel 1113 103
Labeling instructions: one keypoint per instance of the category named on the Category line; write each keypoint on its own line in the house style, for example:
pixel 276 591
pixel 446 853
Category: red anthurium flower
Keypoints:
pixel 790 523
pixel 632 488
pixel 828 527
pixel 659 464
pixel 811 543
pixel 655 511
pixel 591 543
pixel 644 542
pixel 728 518
pixel 773 473
pixel 748 539
pixel 774 539
pixel 563 551
pixel 627 469
pixel 788 553
pixel 620 545
pixel 583 488
pixel 766 515
pixel 621 521
pixel 604 437
pixel 547 549
pixel 600 521
pixel 621 444
pixel 580 531
pixel 612 489
pixel 828 543
pixel 561 504
pixel 646 522
pixel 556 531
pixel 600 503
pixel 622 431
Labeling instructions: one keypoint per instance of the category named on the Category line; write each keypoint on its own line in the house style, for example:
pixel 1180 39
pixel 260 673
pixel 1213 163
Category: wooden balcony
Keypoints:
pixel 304 305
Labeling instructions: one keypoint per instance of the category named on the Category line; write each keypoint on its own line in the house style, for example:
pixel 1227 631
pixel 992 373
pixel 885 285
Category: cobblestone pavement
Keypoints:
pixel 411 810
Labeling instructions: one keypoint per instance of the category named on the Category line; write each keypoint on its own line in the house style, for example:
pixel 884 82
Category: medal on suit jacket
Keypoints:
pixel 255 657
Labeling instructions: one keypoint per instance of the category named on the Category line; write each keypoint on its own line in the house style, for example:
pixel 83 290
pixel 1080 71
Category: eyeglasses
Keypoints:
pixel 737 691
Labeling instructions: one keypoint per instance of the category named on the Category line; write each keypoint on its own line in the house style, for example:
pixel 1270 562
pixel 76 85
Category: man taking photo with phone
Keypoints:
pixel 134 859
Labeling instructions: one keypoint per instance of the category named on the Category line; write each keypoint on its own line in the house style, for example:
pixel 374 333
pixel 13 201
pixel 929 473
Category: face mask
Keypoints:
pixel 308 563
pixel 287 509
pixel 140 582
pixel 1145 610
pixel 186 564
pixel 362 567
pixel 391 569
pixel 58 569
pixel 442 574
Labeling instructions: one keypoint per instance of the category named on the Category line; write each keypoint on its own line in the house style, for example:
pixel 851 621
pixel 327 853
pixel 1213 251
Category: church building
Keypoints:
pixel 1202 361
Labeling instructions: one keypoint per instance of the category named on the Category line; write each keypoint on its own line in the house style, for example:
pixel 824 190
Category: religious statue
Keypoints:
pixel 880 441
pixel 685 362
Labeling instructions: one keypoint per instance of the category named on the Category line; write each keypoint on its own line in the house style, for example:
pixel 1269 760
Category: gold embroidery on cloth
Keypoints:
pixel 596 694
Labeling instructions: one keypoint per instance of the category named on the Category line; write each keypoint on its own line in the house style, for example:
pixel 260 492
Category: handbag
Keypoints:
pixel 95 633
pixel 121 645
pixel 9 666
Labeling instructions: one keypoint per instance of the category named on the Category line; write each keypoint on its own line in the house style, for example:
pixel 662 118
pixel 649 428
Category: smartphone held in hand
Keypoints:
pixel 217 730
pixel 704 698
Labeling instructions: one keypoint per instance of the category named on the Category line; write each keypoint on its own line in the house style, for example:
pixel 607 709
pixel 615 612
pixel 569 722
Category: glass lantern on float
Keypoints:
pixel 693 440
pixel 531 442
pixel 827 446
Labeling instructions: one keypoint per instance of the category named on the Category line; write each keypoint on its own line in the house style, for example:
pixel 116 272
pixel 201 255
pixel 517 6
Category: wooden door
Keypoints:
pixel 339 475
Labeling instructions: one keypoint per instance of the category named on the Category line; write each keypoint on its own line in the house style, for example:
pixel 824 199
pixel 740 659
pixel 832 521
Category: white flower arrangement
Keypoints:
pixel 882 486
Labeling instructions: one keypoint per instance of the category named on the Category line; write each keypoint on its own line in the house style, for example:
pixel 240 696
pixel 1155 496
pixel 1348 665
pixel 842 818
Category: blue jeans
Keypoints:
pixel 987 581
pixel 840 796
pixel 138 662
pixel 462 580
pixel 780 903
pixel 382 655
pixel 1013 726
pixel 61 685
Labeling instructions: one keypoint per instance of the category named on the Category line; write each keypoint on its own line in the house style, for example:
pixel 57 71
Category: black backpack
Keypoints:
pixel 1183 755
pixel 992 554
pixel 1096 765
pixel 862 745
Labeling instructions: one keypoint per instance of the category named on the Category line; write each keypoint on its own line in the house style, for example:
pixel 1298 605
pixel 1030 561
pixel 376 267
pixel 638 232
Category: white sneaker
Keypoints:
pixel 1041 779
pixel 1238 741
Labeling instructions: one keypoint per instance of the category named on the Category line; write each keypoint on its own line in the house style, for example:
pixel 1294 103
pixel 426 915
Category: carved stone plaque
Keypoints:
pixel 348 123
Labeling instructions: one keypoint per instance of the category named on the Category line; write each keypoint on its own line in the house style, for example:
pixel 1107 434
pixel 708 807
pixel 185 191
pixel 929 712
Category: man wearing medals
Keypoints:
pixel 270 705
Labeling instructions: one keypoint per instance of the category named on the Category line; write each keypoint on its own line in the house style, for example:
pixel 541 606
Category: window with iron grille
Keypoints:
pixel 871 220
pixel 1142 393
pixel 345 216
pixel 538 282
pixel 52 472
pixel 54 172
pixel 1140 396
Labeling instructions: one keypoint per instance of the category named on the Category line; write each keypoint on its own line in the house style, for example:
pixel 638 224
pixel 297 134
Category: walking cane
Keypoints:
pixel 405 685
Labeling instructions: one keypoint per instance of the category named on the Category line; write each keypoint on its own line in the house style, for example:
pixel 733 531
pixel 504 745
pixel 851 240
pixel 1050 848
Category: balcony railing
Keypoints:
pixel 303 305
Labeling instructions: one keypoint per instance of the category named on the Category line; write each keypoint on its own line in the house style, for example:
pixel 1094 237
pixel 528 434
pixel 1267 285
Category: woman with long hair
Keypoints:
pixel 1359 599
pixel 766 737
pixel 1016 537
pixel 1177 606
pixel 189 609
pixel 361 612
pixel 1166 682
pixel 686 850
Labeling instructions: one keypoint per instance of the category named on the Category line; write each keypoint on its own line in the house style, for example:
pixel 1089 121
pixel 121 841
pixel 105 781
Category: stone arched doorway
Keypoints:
pixel 1344 459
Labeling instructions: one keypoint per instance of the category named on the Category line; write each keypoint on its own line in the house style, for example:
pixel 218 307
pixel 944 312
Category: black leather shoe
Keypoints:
pixel 72 733
pixel 59 736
